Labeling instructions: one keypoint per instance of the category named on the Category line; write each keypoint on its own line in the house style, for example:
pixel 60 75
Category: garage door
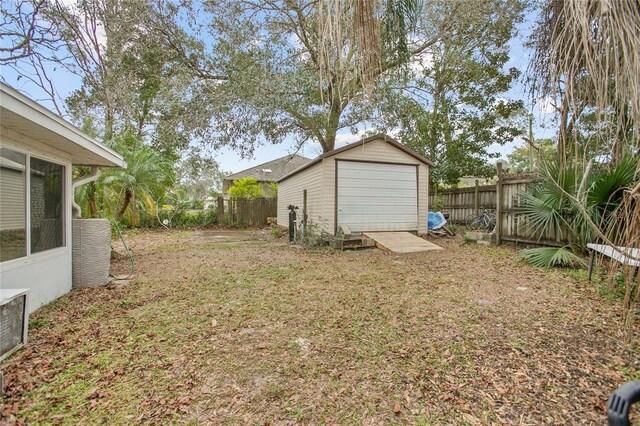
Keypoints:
pixel 377 197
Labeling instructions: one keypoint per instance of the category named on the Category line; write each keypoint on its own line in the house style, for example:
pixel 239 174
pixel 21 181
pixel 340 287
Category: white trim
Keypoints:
pixel 66 234
pixel 11 139
pixel 20 262
pixel 14 101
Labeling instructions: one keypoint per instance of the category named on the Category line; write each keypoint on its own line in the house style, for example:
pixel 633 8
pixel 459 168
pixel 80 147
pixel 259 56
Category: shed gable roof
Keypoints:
pixel 378 137
pixel 278 168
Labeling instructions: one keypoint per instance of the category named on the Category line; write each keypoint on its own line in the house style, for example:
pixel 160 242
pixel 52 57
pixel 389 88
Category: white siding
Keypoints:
pixel 291 191
pixel 377 196
pixel 380 151
pixel 319 180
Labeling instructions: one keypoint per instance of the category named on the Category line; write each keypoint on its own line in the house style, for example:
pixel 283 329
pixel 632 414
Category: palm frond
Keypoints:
pixel 548 257
pixel 543 211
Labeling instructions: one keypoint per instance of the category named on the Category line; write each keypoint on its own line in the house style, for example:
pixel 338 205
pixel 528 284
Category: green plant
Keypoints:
pixel 129 191
pixel 246 187
pixel 312 236
pixel 568 200
pixel 548 257
pixel 277 232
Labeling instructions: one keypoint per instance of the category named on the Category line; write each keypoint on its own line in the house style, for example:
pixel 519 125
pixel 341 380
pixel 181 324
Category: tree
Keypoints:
pixel 133 78
pixel 246 187
pixel 198 175
pixel 530 157
pixel 586 53
pixel 582 67
pixel 141 184
pixel 289 76
pixel 452 112
pixel 132 74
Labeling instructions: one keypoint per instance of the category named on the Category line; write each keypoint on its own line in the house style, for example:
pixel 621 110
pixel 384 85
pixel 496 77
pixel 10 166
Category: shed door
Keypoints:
pixel 377 196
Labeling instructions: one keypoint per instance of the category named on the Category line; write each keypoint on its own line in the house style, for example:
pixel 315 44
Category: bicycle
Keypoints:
pixel 485 222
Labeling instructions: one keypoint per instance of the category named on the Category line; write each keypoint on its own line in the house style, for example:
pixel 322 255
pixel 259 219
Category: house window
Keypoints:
pixel 35 205
pixel 47 205
pixel 13 207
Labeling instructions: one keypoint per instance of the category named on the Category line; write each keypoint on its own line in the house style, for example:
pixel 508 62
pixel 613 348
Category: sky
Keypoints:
pixel 519 58
pixel 231 161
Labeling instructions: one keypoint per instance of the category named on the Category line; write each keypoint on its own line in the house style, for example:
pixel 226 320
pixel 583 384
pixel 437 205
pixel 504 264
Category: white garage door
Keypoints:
pixel 377 197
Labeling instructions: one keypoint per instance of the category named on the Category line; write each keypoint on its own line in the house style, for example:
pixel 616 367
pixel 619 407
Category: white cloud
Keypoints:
pixel 546 105
pixel 100 33
pixel 419 64
pixel 348 137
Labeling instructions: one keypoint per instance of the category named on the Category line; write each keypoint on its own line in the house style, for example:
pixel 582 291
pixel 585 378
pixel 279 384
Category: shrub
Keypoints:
pixel 277 232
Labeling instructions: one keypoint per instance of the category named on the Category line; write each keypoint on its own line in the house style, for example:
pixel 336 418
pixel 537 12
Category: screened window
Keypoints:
pixel 13 208
pixel 31 205
pixel 47 205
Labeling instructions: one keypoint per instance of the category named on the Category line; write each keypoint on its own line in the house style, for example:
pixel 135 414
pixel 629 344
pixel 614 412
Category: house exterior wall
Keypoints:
pixel 320 181
pixel 291 191
pixel 379 151
pixel 48 273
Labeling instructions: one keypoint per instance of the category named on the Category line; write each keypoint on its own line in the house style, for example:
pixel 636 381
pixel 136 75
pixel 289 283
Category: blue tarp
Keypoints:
pixel 435 220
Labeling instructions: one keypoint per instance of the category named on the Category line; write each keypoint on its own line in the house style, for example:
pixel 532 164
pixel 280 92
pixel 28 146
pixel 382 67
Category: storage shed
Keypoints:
pixel 376 184
pixel 37 151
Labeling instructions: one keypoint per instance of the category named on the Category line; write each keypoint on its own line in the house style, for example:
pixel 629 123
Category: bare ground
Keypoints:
pixel 237 328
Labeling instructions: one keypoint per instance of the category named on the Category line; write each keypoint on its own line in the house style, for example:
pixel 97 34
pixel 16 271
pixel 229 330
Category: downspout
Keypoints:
pixel 75 208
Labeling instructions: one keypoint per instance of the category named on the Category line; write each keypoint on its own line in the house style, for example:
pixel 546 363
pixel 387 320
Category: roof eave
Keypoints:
pixel 24 110
pixel 380 136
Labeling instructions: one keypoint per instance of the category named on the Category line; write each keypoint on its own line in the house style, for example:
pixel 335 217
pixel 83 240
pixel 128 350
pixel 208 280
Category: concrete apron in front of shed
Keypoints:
pixel 400 242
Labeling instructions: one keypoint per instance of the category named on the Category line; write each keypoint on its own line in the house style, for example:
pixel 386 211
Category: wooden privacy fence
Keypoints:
pixel 246 211
pixel 503 199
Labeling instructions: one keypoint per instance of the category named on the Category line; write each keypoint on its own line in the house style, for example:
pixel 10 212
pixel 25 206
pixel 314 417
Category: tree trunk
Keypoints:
pixel 331 129
pixel 563 136
pixel 91 196
pixel 619 147
pixel 125 204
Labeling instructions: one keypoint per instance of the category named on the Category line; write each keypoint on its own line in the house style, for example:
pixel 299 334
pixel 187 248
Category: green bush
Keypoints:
pixel 191 219
pixel 277 232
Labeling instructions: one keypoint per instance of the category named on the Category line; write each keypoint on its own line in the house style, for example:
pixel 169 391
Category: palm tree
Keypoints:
pixel 569 199
pixel 144 180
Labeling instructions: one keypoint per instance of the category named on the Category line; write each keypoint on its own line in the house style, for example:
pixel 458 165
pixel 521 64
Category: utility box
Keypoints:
pixel 14 320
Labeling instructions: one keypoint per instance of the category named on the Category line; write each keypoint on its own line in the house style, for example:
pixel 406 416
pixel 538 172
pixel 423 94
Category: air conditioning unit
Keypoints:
pixel 14 320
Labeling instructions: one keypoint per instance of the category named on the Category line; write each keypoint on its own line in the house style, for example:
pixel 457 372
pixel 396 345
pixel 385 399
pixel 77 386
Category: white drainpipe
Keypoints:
pixel 75 208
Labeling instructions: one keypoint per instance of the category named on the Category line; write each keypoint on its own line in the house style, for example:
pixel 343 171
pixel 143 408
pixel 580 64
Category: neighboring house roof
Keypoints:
pixel 361 142
pixel 273 170
pixel 22 115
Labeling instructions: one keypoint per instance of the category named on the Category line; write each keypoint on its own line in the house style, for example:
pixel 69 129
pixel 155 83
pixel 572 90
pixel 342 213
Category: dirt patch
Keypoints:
pixel 241 328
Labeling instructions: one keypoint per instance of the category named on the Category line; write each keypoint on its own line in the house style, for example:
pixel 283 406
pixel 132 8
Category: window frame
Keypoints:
pixel 52 252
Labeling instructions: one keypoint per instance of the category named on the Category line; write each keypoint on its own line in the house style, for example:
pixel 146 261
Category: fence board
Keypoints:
pixel 460 203
pixel 246 211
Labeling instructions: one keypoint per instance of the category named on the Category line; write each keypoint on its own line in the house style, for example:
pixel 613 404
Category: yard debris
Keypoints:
pixel 303 343
pixel 263 333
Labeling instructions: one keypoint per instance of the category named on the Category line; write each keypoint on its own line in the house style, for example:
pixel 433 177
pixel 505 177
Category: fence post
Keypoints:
pixel 476 199
pixel 220 214
pixel 499 204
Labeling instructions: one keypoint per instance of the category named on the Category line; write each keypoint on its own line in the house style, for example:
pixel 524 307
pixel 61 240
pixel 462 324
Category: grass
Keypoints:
pixel 252 330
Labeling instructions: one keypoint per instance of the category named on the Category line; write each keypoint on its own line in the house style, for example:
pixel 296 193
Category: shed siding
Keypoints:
pixel 291 191
pixel 374 151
